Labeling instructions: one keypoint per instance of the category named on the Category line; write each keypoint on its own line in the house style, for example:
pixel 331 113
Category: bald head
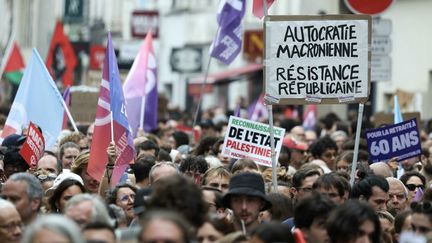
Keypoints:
pixel 382 169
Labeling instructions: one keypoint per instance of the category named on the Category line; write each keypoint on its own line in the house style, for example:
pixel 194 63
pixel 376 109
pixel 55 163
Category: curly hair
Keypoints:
pixel 180 194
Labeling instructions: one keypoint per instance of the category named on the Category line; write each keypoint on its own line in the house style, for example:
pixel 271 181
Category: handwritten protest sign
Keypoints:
pixel 251 140
pixel 34 145
pixel 317 59
pixel 401 140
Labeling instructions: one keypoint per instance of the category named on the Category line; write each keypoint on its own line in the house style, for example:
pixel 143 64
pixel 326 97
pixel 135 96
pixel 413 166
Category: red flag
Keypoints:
pixel 111 101
pixel 61 59
pixel 14 65
pixel 258 7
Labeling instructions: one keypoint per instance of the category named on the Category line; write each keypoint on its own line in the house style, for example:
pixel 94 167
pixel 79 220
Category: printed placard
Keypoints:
pixel 401 140
pixel 34 146
pixel 251 140
pixel 325 57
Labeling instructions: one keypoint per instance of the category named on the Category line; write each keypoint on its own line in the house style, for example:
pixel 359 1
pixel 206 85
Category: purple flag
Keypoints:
pixel 140 89
pixel 227 44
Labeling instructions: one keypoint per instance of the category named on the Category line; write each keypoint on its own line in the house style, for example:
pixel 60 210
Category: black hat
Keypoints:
pixel 207 123
pixel 13 140
pixel 249 184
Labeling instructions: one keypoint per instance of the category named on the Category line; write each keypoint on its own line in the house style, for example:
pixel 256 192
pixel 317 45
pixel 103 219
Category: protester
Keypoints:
pixel 164 226
pixel 181 194
pixel 310 217
pixel 415 182
pixel 86 208
pixel 123 195
pixel 25 192
pixel 64 188
pixel 374 190
pixel 99 232
pixel 244 165
pixel 246 198
pixel 53 228
pixel 271 232
pixel 354 221
pixel 421 221
pixel 282 211
pixel 398 195
pixel 302 183
pixel 161 170
pixel 79 167
pixel 217 178
pixel 214 229
pixel 68 153
pixel 50 163
pixel 332 186
pixel 11 226
pixel 324 149
pixel 141 169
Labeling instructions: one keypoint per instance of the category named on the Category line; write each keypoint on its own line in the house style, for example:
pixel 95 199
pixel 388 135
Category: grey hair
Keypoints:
pixel 56 223
pixel 99 209
pixel 159 164
pixel 34 187
pixel 392 179
pixel 338 133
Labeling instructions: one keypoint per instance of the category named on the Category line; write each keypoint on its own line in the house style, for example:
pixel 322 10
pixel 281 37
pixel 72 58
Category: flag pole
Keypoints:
pixel 72 121
pixel 271 128
pixel 112 127
pixel 201 93
pixel 143 102
pixel 356 143
pixel 6 55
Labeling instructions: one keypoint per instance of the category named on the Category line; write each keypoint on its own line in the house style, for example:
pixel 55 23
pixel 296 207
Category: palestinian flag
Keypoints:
pixel 14 65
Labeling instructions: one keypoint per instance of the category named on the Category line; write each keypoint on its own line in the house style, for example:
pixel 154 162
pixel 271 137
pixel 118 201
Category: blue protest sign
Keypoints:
pixel 401 140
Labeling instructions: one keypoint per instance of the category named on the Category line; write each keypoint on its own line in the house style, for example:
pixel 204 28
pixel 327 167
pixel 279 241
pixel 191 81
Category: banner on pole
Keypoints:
pixel 251 140
pixel 34 145
pixel 401 140
pixel 317 59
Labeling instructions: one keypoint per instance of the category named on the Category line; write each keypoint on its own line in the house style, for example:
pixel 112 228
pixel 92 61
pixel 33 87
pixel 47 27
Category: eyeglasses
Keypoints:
pixel 412 187
pixel 12 226
pixel 125 198
pixel 49 177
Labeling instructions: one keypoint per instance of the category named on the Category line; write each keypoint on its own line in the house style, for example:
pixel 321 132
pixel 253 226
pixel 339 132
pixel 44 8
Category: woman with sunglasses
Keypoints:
pixel 415 183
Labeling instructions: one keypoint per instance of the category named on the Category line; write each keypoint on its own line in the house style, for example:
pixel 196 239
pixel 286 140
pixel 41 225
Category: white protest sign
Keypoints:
pixel 321 59
pixel 251 140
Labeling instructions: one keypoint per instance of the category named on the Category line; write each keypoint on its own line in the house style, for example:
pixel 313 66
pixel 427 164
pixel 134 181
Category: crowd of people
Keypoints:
pixel 178 190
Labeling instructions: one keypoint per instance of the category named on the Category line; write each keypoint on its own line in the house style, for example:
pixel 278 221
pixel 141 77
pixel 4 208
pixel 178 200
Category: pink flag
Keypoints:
pixel 110 100
pixel 258 111
pixel 309 117
pixel 258 7
pixel 140 88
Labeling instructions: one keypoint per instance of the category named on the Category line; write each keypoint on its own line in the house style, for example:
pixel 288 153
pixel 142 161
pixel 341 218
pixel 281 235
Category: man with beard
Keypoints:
pixel 246 198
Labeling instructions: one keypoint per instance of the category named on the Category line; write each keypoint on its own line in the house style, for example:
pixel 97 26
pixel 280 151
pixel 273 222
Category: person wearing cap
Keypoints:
pixel 12 160
pixel 246 198
pixel 64 187
pixel 297 151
